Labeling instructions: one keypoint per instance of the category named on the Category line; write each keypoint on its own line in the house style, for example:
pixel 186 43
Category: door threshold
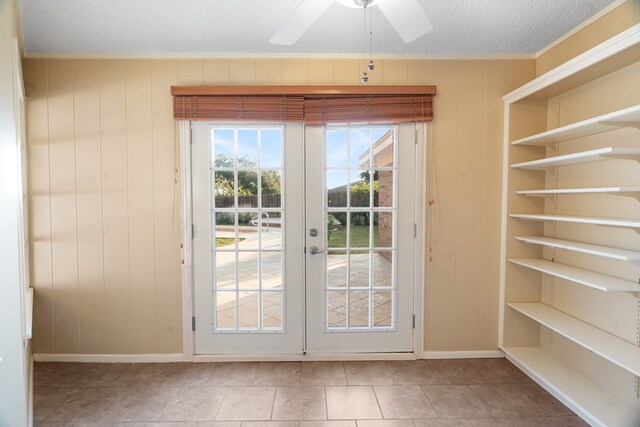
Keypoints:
pixel 309 357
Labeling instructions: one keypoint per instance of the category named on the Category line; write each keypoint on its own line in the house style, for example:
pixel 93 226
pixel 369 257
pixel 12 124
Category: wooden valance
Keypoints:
pixel 313 105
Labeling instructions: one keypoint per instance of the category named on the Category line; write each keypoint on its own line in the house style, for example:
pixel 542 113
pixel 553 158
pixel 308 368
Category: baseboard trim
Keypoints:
pixel 309 357
pixel 479 354
pixel 109 358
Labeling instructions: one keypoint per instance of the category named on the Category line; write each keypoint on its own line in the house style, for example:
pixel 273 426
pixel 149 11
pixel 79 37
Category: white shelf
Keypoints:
pixel 551 192
pixel 586 248
pixel 613 222
pixel 579 393
pixel 610 347
pixel 628 117
pixel 591 279
pixel 608 153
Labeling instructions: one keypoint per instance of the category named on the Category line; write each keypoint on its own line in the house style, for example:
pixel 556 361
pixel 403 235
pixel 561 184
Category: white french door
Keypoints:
pixel 303 239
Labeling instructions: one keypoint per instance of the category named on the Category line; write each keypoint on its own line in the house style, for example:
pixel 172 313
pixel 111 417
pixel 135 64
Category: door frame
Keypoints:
pixel 184 135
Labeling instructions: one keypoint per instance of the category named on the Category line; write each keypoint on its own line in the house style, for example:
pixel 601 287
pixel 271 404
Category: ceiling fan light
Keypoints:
pixel 364 78
pixel 371 67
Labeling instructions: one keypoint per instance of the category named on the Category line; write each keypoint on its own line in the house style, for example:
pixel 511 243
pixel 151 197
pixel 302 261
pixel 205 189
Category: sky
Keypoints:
pixel 343 149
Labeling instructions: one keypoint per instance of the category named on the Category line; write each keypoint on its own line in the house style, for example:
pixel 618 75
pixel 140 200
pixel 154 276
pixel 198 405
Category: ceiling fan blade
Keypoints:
pixel 304 16
pixel 407 17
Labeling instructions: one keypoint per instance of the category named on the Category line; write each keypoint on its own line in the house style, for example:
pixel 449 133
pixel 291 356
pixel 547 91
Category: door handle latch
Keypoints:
pixel 313 250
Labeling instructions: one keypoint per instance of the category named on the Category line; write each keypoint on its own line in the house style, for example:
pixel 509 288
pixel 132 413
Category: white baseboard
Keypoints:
pixel 109 358
pixel 309 357
pixel 479 354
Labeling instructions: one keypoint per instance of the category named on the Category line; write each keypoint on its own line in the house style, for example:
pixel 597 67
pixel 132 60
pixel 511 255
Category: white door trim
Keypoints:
pixel 188 313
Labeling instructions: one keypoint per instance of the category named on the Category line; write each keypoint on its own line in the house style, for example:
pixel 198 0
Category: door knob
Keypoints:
pixel 313 232
pixel 313 250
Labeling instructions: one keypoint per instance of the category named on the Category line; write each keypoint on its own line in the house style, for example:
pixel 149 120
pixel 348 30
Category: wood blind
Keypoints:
pixel 252 108
pixel 313 105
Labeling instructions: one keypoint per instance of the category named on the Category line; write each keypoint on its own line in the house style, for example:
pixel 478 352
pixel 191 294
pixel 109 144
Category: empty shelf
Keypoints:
pixel 608 153
pixel 591 279
pixel 575 390
pixel 551 192
pixel 610 347
pixel 628 117
pixel 613 222
pixel 586 248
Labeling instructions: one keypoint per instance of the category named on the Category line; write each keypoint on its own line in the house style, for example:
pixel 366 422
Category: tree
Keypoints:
pixel 247 179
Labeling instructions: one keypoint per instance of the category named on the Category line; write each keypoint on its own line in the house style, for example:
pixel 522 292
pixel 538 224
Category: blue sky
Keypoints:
pixel 271 141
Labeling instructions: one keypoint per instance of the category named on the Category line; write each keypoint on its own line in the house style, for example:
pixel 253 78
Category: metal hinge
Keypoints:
pixel 193 323
pixel 414 321
pixel 415 230
pixel 190 136
pixel 193 231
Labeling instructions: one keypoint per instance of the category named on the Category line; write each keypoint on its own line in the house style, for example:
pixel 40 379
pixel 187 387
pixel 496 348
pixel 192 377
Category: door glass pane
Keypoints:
pixel 248 213
pixel 360 229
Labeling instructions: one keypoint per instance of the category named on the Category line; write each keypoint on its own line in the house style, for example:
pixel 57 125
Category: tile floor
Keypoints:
pixel 473 392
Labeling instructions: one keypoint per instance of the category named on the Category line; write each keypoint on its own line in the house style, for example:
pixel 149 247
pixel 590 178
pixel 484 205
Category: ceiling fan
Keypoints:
pixel 406 16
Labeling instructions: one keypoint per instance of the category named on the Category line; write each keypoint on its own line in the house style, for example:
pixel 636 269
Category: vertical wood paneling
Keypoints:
pixel 294 72
pixel 320 71
pixel 444 212
pixel 63 206
pixel 496 82
pixel 216 72
pixel 115 231
pixel 469 206
pixel 167 231
pixel 395 72
pixel 268 72
pixel 124 155
pixel 88 167
pixel 37 122
pixel 140 173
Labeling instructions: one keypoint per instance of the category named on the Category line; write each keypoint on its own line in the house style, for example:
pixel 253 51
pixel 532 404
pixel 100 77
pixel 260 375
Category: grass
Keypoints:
pixel 359 237
pixel 226 241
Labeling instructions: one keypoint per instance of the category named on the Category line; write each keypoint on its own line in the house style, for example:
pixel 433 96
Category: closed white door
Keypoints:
pixel 248 253
pixel 360 210
pixel 303 239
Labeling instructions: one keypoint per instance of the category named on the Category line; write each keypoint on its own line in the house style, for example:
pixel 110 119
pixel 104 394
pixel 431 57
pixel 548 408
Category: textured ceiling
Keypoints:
pixel 480 27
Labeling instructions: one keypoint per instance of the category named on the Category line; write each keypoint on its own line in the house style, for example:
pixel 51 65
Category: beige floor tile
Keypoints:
pixel 233 374
pixel 270 424
pixel 403 402
pixel 247 404
pixel 352 403
pixel 507 400
pixel 455 401
pixel 78 374
pixel 138 374
pixel 498 371
pixel 436 422
pixel 323 373
pixel 143 403
pixel 194 404
pixel 367 373
pixel 300 403
pixel 188 375
pixel 411 372
pixel 549 403
pixel 327 424
pixel 278 374
pixel 47 399
pixel 454 371
pixel 385 423
pixel 552 421
pixel 87 406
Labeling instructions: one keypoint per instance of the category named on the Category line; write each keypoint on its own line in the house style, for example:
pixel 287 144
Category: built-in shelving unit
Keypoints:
pixel 598 281
pixel 623 191
pixel 601 385
pixel 612 348
pixel 628 117
pixel 608 153
pixel 611 222
pixel 572 388
pixel 585 248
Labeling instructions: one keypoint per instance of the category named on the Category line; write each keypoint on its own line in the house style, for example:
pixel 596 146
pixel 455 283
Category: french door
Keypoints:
pixel 303 238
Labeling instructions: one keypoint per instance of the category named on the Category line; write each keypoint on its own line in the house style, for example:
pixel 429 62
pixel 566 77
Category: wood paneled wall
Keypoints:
pixel 619 19
pixel 102 164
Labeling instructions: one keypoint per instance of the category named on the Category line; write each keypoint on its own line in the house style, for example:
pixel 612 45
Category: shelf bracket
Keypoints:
pixel 620 157
pixel 632 194
pixel 636 229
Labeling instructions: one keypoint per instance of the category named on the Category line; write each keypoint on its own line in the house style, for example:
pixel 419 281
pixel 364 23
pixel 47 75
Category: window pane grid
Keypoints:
pixel 241 304
pixel 366 299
